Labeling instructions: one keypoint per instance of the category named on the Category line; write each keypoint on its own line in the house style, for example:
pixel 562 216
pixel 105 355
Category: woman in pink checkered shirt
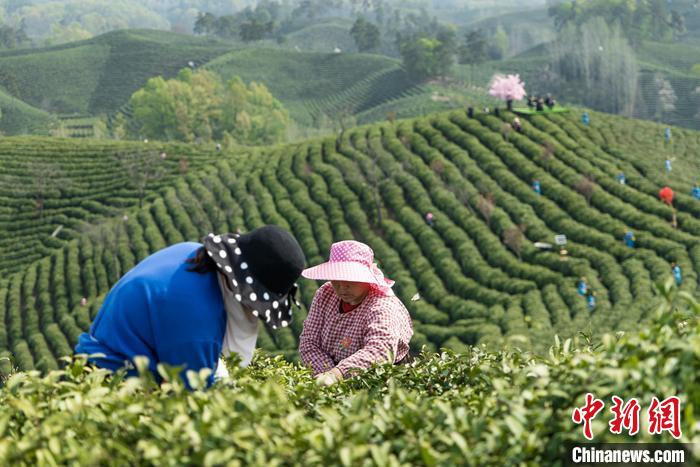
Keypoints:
pixel 355 319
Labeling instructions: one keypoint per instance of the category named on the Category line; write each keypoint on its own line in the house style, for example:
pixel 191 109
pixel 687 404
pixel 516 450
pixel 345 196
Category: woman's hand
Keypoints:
pixel 329 377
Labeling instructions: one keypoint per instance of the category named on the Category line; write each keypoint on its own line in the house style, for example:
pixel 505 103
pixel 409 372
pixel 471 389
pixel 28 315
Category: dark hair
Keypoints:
pixel 203 264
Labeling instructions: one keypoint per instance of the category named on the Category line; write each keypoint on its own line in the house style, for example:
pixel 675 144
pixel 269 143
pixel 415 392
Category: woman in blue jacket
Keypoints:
pixel 186 304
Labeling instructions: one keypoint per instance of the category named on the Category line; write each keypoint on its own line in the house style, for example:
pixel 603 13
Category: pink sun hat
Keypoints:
pixel 351 261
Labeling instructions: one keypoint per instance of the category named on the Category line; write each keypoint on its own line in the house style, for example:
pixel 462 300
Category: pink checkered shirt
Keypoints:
pixel 356 339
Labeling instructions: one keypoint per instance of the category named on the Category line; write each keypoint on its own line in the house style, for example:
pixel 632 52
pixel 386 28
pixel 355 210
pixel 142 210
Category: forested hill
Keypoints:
pixel 476 270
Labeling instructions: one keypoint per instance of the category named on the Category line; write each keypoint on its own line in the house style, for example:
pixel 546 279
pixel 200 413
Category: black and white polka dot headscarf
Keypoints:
pixel 262 267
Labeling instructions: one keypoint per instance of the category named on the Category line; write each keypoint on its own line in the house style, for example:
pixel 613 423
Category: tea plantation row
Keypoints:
pixel 375 184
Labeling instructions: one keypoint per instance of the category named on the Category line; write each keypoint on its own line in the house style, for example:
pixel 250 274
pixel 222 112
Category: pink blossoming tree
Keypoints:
pixel 508 88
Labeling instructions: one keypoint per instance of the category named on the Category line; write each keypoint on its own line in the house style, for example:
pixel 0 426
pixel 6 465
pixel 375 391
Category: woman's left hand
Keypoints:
pixel 329 377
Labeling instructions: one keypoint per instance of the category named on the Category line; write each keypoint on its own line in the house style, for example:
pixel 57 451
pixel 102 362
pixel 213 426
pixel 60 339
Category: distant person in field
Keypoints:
pixel 355 320
pixel 667 135
pixel 695 192
pixel 622 180
pixel 666 195
pixel 429 218
pixel 540 104
pixel 590 300
pixel 517 125
pixel 470 112
pixel 549 101
pixel 667 164
pixel 188 303
pixel 676 271
pixel 582 287
pixel 585 118
pixel 537 187
pixel 629 239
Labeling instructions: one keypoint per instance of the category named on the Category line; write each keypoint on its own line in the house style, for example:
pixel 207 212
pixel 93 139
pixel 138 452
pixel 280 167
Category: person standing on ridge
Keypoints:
pixel 629 239
pixel 621 178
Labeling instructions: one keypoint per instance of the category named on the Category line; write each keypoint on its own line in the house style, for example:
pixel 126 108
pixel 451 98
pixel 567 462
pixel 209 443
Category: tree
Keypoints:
pixel 585 187
pixel 498 46
pixel 513 238
pixel 255 30
pixel 639 20
pixel 507 88
pixel 142 168
pixel 428 57
pixel 601 63
pixel 47 180
pixel 198 106
pixel 205 23
pixel 666 96
pixel 365 34
pixel 474 50
pixel 11 38
pixel 485 204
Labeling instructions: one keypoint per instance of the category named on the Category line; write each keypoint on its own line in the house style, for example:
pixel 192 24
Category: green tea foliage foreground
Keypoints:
pixel 480 407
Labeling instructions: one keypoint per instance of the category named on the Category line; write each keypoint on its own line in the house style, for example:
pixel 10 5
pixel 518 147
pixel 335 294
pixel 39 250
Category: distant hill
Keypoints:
pixel 313 84
pixel 375 184
pixel 18 117
pixel 99 75
pixel 324 36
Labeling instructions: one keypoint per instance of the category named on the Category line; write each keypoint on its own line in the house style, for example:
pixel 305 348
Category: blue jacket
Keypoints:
pixel 162 311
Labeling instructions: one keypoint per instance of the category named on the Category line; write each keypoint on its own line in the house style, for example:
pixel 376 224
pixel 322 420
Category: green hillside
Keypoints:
pixel 79 184
pixel 324 36
pixel 312 84
pixel 100 74
pixel 375 184
pixel 19 117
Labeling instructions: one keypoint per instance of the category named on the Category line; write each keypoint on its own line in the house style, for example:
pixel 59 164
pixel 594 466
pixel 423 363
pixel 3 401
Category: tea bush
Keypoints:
pixel 472 284
pixel 475 408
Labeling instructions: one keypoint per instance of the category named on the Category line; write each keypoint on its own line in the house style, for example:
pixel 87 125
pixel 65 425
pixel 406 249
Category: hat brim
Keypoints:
pixel 341 271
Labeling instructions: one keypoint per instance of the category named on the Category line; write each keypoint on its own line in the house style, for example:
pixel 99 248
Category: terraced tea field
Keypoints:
pixel 375 184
